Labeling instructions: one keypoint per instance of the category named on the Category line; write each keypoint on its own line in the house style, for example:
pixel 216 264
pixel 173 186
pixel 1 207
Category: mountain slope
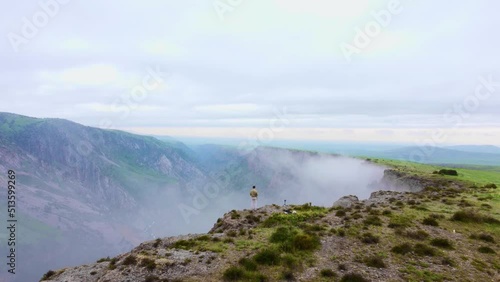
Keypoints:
pixel 80 185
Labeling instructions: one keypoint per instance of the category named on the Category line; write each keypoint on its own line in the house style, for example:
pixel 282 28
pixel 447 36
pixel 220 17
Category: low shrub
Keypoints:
pixel 483 237
pixel 374 261
pixel 486 206
pixel 248 264
pixel 312 227
pixel 287 275
pixel 372 220
pixel 448 261
pixel 103 259
pixel 424 250
pixel 490 185
pixel 353 277
pixel 184 244
pixel 417 235
pixel 369 238
pixel 290 261
pixel 252 218
pixel 152 278
pixel 436 216
pixel 48 274
pixel 387 212
pixel 341 232
pixel 399 220
pixel 402 249
pixel 451 172
pixel 340 213
pixel 267 257
pixel 235 214
pixel 233 273
pixel 130 260
pixel 232 233
pixel 157 243
pixel 185 262
pixel 147 263
pixel 112 264
pixel 204 238
pixel 464 204
pixel 430 221
pixel 472 216
pixel 306 242
pixel 357 216
pixel 486 250
pixel 327 273
pixel 442 243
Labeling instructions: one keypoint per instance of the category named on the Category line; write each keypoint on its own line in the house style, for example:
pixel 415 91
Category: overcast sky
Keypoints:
pixel 331 70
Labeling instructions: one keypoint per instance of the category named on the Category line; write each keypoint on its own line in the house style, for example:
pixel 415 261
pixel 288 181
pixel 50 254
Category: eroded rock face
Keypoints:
pixel 396 180
pixel 346 201
pixel 384 197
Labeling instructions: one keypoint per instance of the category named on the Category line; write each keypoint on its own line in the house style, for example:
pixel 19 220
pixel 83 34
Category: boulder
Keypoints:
pixel 346 201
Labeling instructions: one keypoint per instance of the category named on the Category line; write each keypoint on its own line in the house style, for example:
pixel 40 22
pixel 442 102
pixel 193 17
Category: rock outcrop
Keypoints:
pixel 346 201
pixel 397 180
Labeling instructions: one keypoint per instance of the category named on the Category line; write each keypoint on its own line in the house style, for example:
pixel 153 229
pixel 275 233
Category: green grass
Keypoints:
pixel 481 175
pixel 413 274
pixel 201 245
pixel 278 219
pixel 14 124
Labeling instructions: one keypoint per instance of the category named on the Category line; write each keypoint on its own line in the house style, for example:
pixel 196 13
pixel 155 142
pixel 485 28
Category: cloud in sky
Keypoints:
pixel 421 70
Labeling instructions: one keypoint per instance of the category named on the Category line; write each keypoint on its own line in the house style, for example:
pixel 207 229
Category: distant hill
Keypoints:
pixel 452 155
pixel 489 149
pixel 437 155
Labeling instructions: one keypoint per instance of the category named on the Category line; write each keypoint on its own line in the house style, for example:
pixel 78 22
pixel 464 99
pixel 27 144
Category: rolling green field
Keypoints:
pixel 479 175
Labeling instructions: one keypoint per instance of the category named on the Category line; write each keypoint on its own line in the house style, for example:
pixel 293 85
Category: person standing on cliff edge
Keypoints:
pixel 254 195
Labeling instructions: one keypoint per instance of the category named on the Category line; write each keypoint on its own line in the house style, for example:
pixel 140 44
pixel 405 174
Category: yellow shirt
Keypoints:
pixel 254 193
